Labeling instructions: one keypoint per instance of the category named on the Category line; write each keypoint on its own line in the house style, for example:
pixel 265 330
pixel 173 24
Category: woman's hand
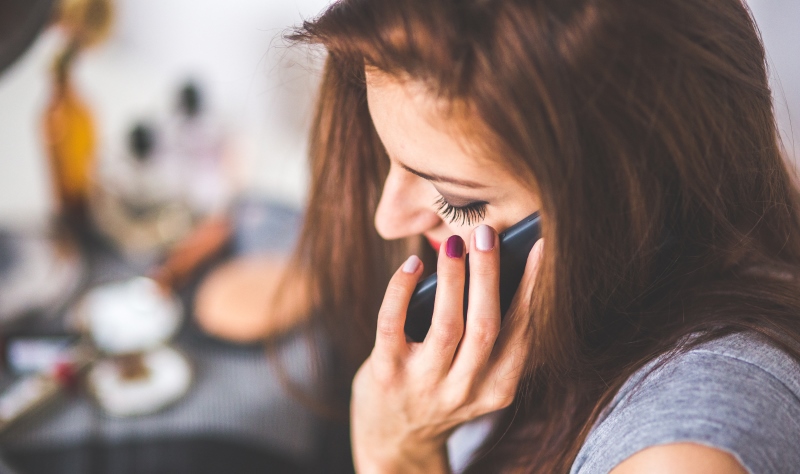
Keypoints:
pixel 408 397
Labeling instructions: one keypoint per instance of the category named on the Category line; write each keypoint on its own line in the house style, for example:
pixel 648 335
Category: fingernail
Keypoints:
pixel 538 246
pixel 412 264
pixel 484 238
pixel 455 247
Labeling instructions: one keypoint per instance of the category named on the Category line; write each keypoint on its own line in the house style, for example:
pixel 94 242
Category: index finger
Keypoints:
pixel 390 337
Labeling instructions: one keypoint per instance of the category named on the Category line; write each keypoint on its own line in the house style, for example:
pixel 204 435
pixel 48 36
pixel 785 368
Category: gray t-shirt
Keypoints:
pixel 739 394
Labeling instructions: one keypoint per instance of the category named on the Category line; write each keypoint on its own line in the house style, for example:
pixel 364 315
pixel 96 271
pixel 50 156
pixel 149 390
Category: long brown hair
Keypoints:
pixel 648 126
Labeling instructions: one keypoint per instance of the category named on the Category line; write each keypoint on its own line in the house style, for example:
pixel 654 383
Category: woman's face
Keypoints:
pixel 437 185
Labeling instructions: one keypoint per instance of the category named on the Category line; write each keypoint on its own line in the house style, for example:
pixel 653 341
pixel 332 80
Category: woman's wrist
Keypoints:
pixel 428 460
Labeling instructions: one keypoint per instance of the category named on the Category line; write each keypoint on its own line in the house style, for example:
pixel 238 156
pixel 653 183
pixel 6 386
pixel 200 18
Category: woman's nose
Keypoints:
pixel 403 210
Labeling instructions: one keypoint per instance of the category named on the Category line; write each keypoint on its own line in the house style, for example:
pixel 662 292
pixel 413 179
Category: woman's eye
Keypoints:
pixel 468 214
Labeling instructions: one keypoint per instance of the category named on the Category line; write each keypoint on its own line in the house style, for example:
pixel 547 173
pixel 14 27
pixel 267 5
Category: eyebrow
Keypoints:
pixel 443 179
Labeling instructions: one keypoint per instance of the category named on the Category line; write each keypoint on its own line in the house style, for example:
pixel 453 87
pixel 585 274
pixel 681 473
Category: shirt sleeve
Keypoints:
pixel 710 398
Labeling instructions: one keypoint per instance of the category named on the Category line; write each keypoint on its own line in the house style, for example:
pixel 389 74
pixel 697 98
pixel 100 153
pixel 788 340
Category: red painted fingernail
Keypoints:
pixel 455 247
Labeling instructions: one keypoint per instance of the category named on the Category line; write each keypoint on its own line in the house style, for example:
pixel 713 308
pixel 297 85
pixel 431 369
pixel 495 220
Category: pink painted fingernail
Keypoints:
pixel 455 247
pixel 484 238
pixel 412 264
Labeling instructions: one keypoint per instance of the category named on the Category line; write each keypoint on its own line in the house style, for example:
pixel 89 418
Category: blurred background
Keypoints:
pixel 257 87
pixel 152 178
pixel 152 172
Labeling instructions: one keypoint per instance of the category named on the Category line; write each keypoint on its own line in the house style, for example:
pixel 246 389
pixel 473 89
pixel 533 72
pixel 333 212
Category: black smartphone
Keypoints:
pixel 515 245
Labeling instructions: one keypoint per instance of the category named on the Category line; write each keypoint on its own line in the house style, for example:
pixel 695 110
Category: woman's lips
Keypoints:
pixel 434 243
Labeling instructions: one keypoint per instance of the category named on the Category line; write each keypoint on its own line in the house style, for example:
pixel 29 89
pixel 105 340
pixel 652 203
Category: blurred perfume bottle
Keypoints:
pixel 70 139
pixel 69 130
pixel 138 200
pixel 197 146
pixel 88 22
pixel 143 177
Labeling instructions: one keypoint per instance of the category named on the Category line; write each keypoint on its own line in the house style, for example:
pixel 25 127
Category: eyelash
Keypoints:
pixel 472 212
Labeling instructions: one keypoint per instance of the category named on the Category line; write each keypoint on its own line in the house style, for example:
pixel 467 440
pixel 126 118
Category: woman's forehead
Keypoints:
pixel 410 117
pixel 418 129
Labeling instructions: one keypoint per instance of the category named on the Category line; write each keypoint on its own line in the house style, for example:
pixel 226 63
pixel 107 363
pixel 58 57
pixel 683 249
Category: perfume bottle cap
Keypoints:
pixel 190 100
pixel 142 142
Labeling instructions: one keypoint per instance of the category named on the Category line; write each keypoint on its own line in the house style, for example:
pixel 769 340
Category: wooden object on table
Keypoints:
pixel 247 299
pixel 186 256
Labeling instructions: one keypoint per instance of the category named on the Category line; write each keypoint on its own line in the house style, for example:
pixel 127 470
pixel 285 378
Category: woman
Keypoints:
pixel 657 324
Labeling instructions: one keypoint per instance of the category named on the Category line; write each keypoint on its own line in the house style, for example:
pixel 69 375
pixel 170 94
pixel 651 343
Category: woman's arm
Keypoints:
pixel 680 458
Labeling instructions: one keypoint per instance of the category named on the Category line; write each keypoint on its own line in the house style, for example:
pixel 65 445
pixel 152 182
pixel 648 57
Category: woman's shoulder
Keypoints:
pixel 739 393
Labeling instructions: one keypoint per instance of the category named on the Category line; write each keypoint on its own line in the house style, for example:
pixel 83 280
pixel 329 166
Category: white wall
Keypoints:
pixel 262 89
pixel 779 22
